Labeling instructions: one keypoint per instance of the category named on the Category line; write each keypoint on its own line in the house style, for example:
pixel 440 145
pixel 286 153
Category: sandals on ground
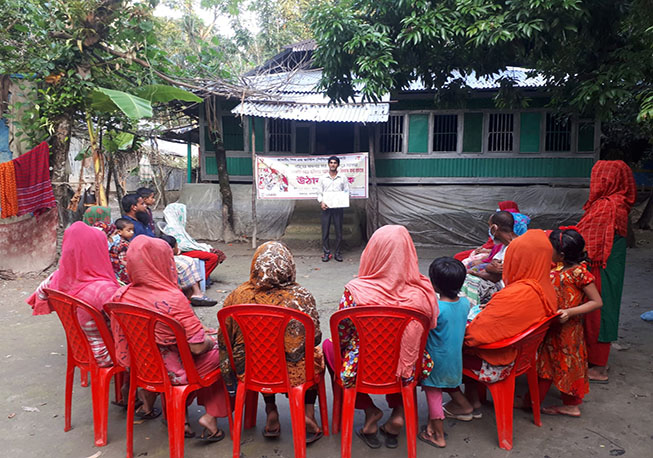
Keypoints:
pixel 151 415
pixel 371 440
pixel 390 439
pixel 215 437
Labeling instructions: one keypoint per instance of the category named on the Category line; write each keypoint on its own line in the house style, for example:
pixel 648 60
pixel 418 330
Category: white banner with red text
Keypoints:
pixel 297 177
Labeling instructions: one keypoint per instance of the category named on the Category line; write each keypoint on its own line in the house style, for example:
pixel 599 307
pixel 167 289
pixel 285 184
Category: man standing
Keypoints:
pixel 333 182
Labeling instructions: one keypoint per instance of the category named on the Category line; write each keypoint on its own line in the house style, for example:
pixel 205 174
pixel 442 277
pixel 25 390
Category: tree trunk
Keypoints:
pixel 113 171
pixel 644 221
pixel 59 146
pixel 228 233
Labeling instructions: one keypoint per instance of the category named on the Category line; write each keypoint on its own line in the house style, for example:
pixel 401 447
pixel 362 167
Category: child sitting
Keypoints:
pixel 444 343
pixel 188 275
pixel 118 249
pixel 562 358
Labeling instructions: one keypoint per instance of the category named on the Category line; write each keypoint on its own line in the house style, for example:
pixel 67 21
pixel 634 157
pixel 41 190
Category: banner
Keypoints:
pixel 297 177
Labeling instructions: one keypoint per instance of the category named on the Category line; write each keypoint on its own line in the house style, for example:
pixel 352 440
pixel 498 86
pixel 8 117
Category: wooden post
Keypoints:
pixel 189 160
pixel 374 207
pixel 251 123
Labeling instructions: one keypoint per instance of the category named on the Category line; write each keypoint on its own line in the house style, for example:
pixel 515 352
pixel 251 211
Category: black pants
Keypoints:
pixel 329 215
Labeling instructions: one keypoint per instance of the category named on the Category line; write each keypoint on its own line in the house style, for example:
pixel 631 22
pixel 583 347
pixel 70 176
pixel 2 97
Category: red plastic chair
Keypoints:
pixel 380 329
pixel 263 328
pixel 503 391
pixel 148 371
pixel 79 354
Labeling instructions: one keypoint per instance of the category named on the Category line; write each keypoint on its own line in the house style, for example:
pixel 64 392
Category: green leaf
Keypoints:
pixel 160 93
pixel 133 106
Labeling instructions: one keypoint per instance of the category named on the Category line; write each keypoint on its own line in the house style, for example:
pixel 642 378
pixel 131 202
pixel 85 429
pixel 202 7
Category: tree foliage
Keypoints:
pixel 594 54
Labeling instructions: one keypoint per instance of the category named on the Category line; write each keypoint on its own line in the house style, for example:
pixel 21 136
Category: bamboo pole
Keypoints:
pixel 251 120
pixel 374 220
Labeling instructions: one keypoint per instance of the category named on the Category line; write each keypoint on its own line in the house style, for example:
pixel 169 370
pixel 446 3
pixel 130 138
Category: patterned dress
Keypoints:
pixel 117 254
pixel 563 354
pixel 349 344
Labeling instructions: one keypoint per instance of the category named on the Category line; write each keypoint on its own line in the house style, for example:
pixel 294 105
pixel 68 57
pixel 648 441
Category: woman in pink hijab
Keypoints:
pixel 85 273
pixel 153 286
pixel 388 275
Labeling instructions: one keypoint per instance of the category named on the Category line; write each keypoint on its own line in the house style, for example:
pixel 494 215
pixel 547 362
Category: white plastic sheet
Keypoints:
pixel 204 206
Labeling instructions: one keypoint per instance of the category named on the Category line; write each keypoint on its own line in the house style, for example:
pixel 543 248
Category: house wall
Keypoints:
pixel 414 157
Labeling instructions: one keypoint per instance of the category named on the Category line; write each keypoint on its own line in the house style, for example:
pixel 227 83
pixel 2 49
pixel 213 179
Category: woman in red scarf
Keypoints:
pixel 153 274
pixel 388 275
pixel 604 226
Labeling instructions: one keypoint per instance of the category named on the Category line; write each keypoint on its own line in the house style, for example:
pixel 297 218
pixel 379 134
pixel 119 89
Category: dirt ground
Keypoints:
pixel 616 417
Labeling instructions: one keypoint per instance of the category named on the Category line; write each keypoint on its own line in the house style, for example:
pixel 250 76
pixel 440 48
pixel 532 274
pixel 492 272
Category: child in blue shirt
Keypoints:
pixel 444 343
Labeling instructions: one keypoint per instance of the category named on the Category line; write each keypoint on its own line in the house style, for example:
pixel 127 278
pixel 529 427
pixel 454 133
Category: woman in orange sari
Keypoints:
pixel 528 298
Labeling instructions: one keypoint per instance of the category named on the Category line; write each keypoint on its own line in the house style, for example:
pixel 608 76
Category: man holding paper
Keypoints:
pixel 333 196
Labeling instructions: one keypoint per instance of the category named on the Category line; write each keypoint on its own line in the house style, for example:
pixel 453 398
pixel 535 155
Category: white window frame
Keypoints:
pixel 269 134
pixel 459 131
pixel 516 121
pixel 403 142
pixel 573 134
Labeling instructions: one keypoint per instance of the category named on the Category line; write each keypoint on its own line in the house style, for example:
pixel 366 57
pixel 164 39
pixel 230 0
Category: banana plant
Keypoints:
pixel 135 106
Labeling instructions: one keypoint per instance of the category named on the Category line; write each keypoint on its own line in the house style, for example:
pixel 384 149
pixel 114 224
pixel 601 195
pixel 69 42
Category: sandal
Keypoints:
pixel 215 437
pixel 313 437
pixel 123 404
pixel 202 301
pixel 424 436
pixel 457 416
pixel 188 434
pixel 151 415
pixel 390 439
pixel 555 410
pixel 371 440
pixel 272 433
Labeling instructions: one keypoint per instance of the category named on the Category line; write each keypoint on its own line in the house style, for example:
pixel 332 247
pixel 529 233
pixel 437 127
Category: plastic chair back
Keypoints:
pixel 148 369
pixel 380 330
pixel 138 325
pixel 526 345
pixel 80 355
pixel 263 328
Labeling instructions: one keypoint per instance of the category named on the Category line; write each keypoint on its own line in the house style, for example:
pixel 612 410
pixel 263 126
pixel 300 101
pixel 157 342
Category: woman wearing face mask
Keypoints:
pixel 485 280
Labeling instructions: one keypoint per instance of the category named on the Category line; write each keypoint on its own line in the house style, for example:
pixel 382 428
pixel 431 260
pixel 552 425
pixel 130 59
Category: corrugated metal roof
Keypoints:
pixel 519 75
pixel 363 112
pixel 293 95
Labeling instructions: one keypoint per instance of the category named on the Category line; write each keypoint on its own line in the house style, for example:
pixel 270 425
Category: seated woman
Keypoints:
pixel 154 286
pixel 85 273
pixel 388 275
pixel 483 281
pixel 272 282
pixel 175 216
pixel 528 298
pixel 520 226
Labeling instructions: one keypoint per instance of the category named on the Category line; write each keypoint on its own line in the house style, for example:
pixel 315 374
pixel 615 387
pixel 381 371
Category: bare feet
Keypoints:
pixel 210 423
pixel 432 436
pixel 311 421
pixel 598 373
pixel 571 411
pixel 372 417
pixel 272 424
pixel 459 404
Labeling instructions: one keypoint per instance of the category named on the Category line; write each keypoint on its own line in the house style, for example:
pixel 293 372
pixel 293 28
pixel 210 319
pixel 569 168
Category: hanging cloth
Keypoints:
pixel 8 195
pixel 33 180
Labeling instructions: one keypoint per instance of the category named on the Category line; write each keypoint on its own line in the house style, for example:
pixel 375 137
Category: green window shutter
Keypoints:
pixel 529 136
pixel 473 133
pixel 586 136
pixel 233 133
pixel 418 133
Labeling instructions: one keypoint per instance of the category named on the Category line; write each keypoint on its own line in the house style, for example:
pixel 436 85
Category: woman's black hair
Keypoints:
pixel 447 276
pixel 170 240
pixel 570 243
